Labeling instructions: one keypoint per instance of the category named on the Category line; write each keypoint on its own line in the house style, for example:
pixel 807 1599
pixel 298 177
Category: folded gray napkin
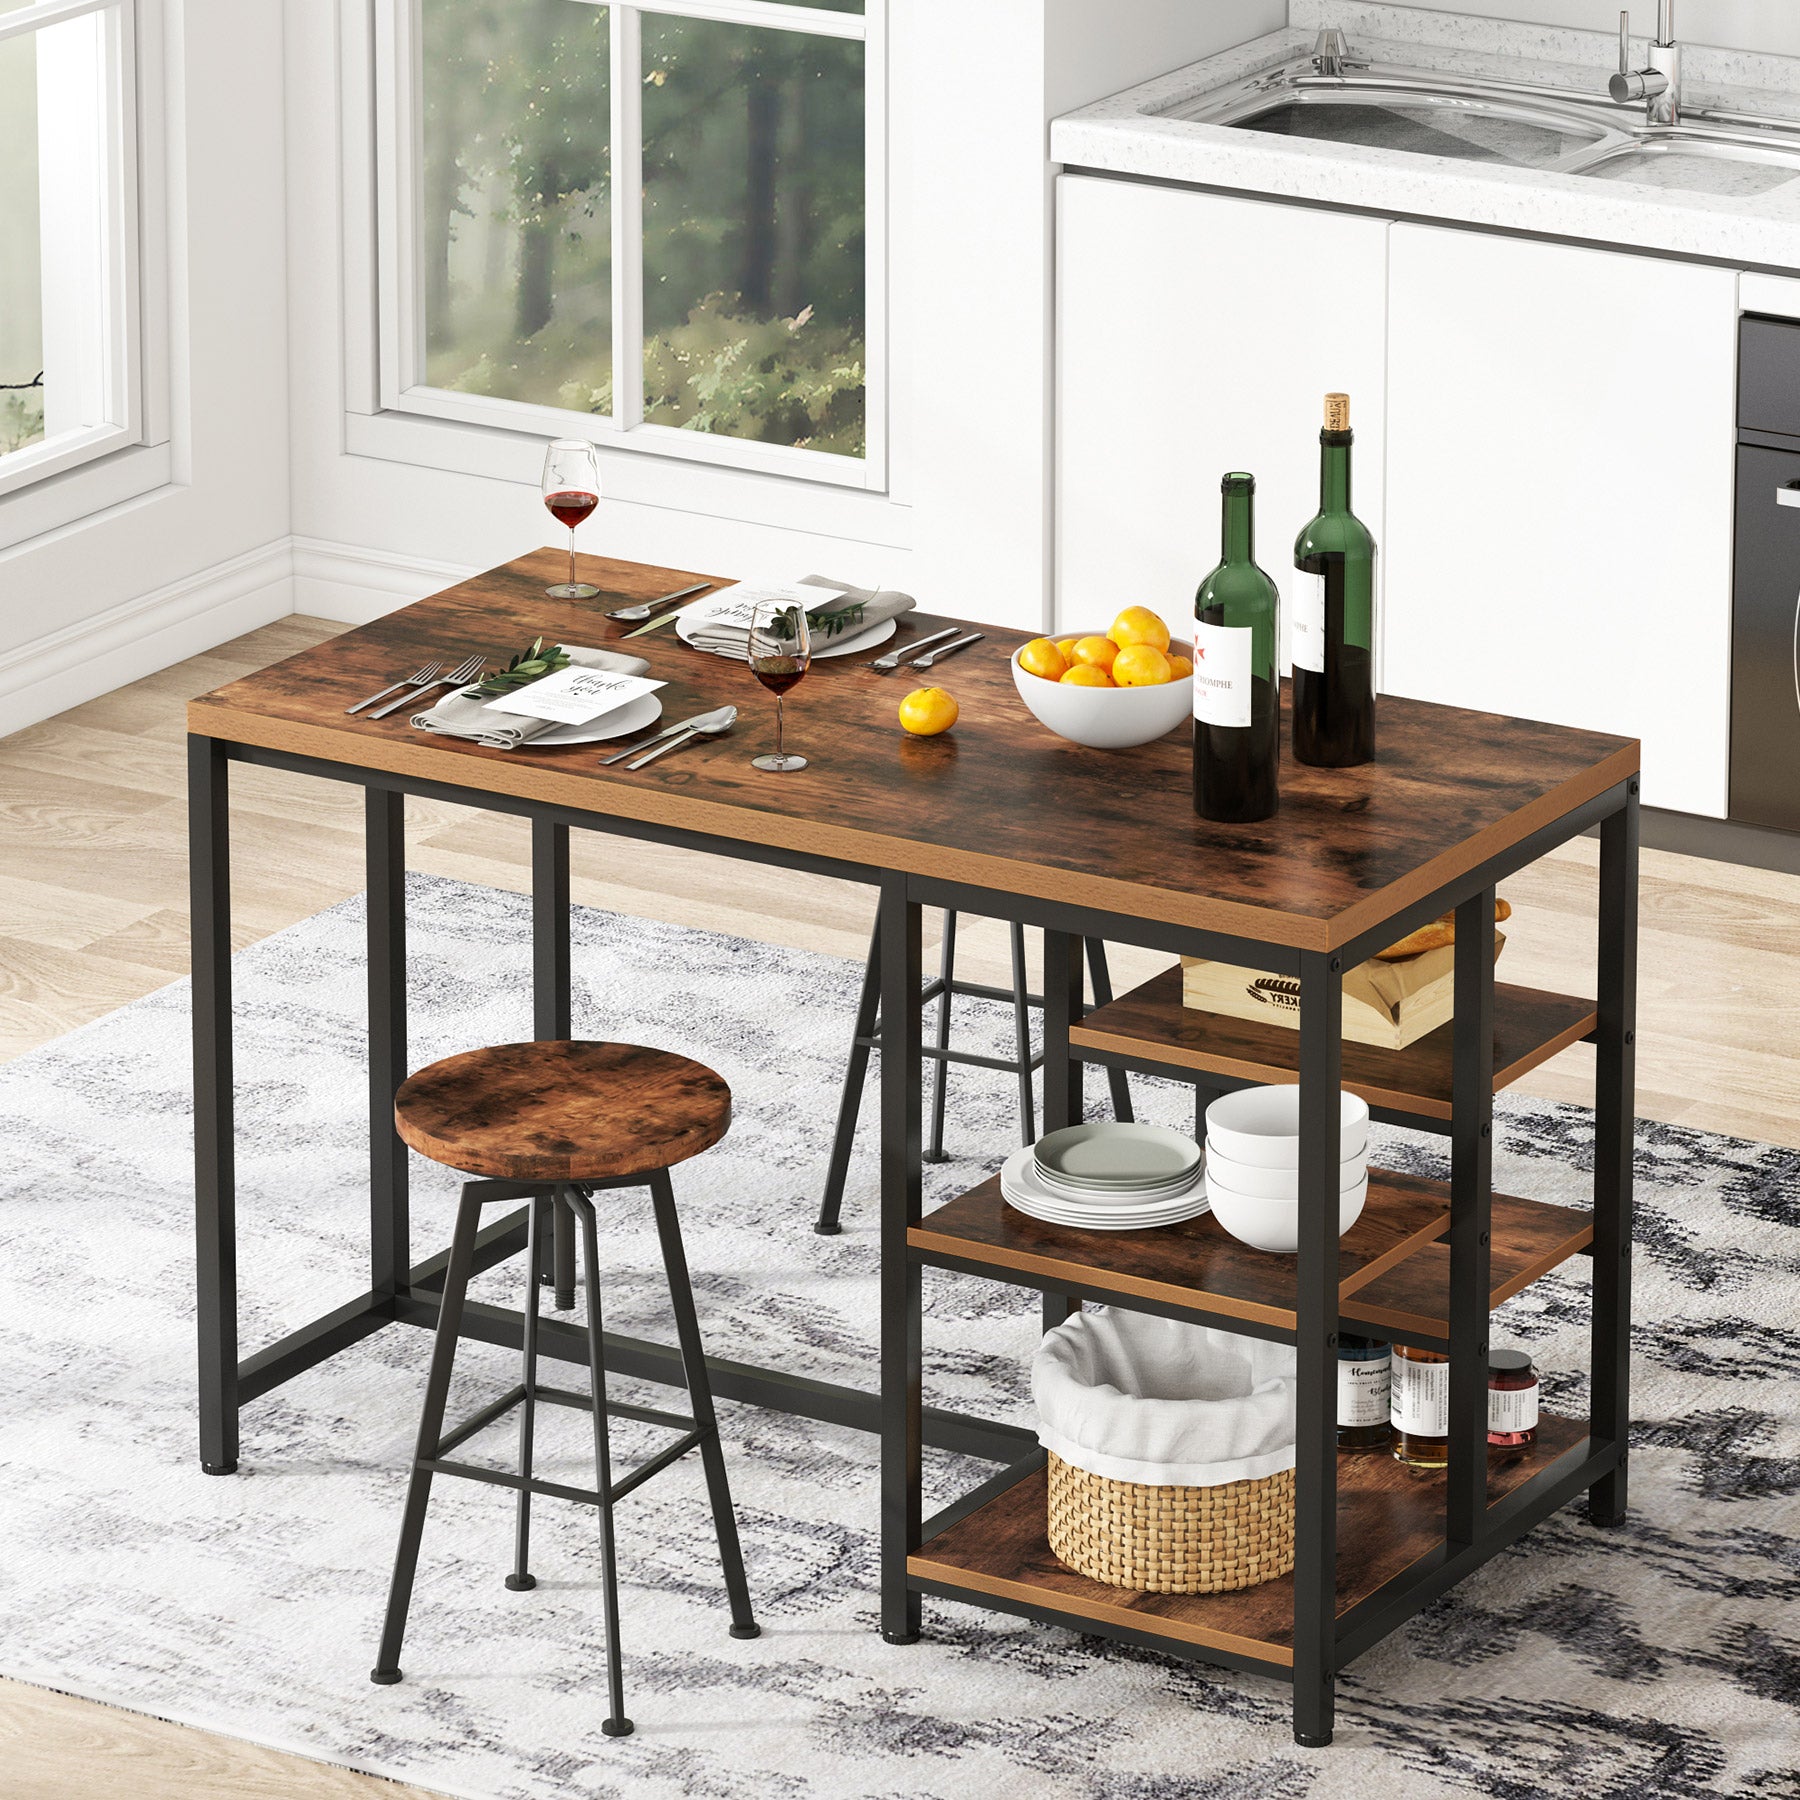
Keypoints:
pixel 460 715
pixel 878 604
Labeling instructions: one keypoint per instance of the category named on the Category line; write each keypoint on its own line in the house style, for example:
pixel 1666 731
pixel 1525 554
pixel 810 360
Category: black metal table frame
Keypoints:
pixel 405 1292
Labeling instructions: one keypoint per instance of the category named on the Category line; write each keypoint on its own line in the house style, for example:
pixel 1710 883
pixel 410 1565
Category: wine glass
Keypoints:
pixel 571 491
pixel 780 652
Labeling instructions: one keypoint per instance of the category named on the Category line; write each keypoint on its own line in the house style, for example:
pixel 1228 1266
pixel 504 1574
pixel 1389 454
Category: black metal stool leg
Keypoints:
pixel 431 1430
pixel 1101 977
pixel 1022 1036
pixel 543 1207
pixel 700 1404
pixel 940 1081
pixel 617 1724
pixel 850 1102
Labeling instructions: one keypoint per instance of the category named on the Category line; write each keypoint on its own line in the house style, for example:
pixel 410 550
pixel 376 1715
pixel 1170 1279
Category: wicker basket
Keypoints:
pixel 1172 1540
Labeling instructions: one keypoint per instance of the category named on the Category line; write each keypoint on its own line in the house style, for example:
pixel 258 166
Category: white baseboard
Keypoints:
pixel 353 586
pixel 138 637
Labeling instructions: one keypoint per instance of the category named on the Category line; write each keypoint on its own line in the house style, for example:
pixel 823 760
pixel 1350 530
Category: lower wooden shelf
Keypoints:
pixel 1389 1517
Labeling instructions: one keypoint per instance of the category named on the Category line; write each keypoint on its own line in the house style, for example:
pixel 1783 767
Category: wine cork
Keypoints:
pixel 1337 412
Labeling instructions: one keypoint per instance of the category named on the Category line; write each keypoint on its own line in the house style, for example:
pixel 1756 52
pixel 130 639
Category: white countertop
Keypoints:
pixel 1126 135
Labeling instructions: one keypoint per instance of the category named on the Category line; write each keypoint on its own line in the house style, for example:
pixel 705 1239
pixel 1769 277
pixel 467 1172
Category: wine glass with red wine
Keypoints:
pixel 571 491
pixel 780 650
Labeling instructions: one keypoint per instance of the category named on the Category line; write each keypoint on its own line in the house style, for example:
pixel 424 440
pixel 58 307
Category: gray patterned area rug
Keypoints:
pixel 1663 1659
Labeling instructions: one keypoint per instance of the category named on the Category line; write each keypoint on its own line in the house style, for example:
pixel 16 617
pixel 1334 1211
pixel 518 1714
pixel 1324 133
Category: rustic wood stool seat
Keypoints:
pixel 562 1111
pixel 552 1123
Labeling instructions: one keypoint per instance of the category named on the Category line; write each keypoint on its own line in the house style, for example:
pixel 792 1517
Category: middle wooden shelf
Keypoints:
pixel 1392 1271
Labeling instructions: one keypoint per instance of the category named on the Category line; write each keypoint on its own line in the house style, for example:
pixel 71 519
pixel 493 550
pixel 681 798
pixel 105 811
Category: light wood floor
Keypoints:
pixel 93 914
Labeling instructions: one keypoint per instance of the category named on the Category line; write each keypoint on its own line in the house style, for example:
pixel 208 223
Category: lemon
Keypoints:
pixel 1067 647
pixel 1095 652
pixel 927 711
pixel 1041 657
pixel 1140 665
pixel 1139 625
pixel 1180 668
pixel 1086 675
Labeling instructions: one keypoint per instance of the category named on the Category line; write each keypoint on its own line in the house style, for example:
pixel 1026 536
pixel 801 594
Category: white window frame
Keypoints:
pixel 399 323
pixel 117 279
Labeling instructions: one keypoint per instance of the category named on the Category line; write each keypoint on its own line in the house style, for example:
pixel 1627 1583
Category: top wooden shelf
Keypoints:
pixel 999 803
pixel 1150 1024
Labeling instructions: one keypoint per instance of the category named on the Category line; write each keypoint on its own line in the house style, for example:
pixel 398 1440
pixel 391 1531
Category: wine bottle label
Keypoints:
pixel 1307 647
pixel 1511 1409
pixel 1364 1385
pixel 1222 674
pixel 1421 1398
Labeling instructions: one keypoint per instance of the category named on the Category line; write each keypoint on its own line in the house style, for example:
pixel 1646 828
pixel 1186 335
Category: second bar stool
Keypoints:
pixel 552 1123
pixel 945 987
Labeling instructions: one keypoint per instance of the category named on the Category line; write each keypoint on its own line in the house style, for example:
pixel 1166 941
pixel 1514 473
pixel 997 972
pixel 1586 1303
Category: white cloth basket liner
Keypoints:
pixel 1159 1401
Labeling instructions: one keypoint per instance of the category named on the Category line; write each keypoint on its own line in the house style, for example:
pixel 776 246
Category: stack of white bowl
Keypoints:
pixel 1253 1164
pixel 1107 1176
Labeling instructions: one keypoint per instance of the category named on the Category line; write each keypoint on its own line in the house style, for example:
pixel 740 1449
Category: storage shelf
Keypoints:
pixel 1391 1269
pixel 1389 1518
pixel 1150 1025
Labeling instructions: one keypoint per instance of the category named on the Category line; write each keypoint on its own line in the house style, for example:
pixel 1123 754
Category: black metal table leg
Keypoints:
pixel 1063 1097
pixel 1315 1446
pixel 1022 1035
pixel 215 1165
pixel 384 851
pixel 1615 1109
pixel 1471 1213
pixel 902 1039
pixel 551 1002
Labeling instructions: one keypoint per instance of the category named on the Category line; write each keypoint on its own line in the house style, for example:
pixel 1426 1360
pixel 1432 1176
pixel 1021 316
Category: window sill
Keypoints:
pixel 636 478
pixel 79 493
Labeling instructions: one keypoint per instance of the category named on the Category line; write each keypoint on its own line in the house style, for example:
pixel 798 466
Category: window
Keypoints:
pixel 71 367
pixel 649 224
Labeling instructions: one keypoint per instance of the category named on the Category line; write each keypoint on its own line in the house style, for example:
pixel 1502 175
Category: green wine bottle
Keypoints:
pixel 1333 643
pixel 1237 680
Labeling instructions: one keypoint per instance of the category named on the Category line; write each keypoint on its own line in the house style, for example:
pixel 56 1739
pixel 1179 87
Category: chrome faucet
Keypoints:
pixel 1658 84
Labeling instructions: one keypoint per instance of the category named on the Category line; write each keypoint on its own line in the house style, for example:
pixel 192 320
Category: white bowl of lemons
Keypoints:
pixel 1111 689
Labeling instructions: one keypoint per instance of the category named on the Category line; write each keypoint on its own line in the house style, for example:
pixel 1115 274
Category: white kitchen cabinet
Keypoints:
pixel 1557 537
pixel 1197 334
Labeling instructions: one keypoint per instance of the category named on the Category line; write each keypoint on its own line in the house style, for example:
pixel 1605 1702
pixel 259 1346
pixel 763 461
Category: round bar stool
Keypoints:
pixel 552 1123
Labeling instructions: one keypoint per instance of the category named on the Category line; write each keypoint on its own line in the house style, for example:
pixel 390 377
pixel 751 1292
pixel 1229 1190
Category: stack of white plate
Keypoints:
pixel 1253 1164
pixel 1107 1177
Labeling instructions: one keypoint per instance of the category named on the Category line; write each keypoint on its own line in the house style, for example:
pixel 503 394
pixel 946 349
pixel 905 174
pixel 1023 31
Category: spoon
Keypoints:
pixel 697 722
pixel 629 615
pixel 712 725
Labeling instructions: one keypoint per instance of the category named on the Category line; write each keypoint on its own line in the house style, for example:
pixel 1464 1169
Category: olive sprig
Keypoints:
pixel 838 619
pixel 531 664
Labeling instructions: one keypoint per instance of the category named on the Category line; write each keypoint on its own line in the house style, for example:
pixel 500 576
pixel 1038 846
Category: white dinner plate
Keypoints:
pixel 822 646
pixel 1190 1209
pixel 1020 1187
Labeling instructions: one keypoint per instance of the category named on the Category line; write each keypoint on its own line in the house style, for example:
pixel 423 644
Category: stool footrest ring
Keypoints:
pixel 556 1490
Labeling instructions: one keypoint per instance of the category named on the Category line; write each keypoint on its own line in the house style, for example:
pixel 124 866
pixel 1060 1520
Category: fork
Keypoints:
pixel 423 678
pixel 463 672
pixel 886 665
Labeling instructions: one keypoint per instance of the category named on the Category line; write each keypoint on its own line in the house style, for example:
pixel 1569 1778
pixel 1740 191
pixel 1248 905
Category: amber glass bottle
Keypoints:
pixel 1421 1407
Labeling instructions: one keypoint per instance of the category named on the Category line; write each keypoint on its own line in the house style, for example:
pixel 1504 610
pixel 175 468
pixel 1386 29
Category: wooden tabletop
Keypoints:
pixel 998 802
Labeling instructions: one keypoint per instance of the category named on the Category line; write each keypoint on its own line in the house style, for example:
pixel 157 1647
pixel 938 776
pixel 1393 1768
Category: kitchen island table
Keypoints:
pixel 1002 819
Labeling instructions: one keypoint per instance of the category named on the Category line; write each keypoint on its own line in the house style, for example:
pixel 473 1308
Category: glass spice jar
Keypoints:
pixel 1512 1399
pixel 1364 1392
pixel 1421 1408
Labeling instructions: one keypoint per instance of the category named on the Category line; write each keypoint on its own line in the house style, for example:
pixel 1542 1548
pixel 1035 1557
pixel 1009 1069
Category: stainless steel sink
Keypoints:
pixel 1697 164
pixel 1514 124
